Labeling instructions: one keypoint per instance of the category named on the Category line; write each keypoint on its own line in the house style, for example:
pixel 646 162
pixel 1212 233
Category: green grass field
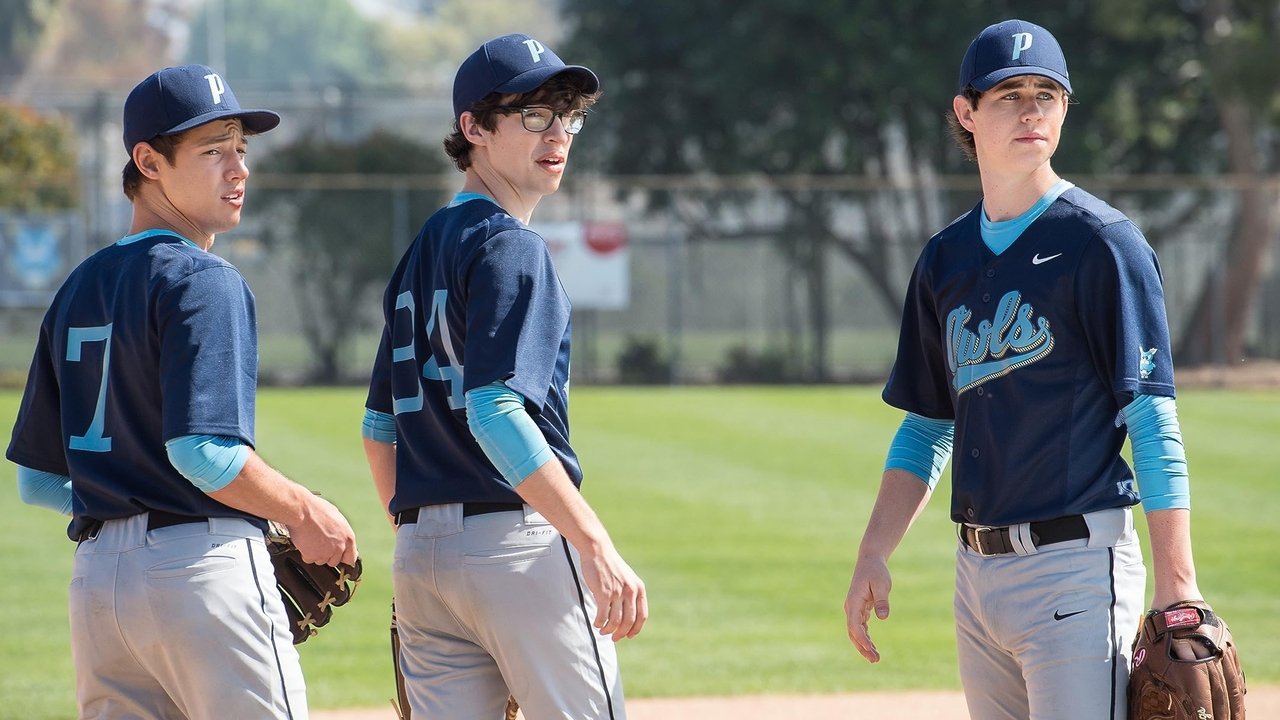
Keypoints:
pixel 740 507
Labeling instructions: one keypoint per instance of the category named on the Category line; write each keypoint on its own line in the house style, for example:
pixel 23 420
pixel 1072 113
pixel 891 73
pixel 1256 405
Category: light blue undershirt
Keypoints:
pixel 462 197
pixel 999 235
pixel 45 489
pixel 210 462
pixel 378 426
pixel 922 447
pixel 130 239
pixel 1159 457
pixel 500 424
pixel 503 429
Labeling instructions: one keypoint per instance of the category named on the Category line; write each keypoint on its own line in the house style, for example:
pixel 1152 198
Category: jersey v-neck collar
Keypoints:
pixel 999 235
pixel 463 197
pixel 130 239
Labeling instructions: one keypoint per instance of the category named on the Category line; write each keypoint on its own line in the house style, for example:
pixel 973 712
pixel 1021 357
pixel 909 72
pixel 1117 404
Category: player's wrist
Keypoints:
pixel 873 549
pixel 592 542
pixel 300 506
pixel 1162 601
pixel 595 545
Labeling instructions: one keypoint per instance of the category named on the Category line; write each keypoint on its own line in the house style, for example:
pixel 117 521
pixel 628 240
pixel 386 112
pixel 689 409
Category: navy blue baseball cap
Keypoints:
pixel 1010 48
pixel 180 98
pixel 510 64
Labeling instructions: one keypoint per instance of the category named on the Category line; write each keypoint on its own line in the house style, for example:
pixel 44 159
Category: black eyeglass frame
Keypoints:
pixel 572 120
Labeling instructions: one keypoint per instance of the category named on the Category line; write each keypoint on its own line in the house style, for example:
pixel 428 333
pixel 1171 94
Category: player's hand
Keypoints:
pixel 868 590
pixel 324 537
pixel 621 605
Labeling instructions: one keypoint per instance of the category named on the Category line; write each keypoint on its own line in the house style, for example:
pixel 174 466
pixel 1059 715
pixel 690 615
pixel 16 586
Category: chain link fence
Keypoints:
pixel 730 279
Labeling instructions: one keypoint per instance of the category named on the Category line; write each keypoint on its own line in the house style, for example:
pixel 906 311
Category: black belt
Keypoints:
pixel 156 519
pixel 468 509
pixel 995 540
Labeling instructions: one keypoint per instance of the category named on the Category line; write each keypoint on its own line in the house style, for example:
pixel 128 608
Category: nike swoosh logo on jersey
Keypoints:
pixel 1037 260
pixel 1059 615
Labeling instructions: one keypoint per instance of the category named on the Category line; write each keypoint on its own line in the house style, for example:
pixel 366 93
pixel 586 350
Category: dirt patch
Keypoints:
pixel 1262 702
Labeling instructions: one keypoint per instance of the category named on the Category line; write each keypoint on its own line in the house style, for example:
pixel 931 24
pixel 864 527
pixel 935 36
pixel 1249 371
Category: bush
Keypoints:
pixel 742 365
pixel 37 161
pixel 642 362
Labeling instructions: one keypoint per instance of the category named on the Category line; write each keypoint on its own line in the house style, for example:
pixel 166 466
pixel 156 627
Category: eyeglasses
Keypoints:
pixel 538 119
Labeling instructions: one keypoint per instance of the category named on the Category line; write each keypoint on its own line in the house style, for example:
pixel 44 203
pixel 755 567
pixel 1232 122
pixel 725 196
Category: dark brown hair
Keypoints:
pixel 562 93
pixel 959 134
pixel 132 178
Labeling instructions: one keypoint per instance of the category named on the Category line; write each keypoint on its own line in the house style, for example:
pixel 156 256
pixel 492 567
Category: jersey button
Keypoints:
pixel 974 452
pixel 986 297
pixel 970 513
pixel 981 392
pixel 991 273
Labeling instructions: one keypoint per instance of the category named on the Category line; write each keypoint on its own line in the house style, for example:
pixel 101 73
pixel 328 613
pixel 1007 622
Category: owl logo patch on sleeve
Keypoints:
pixel 1146 366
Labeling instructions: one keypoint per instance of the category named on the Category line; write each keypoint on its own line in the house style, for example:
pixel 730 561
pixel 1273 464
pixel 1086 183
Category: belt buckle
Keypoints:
pixel 90 533
pixel 980 533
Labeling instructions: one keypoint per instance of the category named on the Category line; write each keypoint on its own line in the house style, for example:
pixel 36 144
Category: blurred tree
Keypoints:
pixel 1241 42
pixel 37 161
pixel 285 44
pixel 777 88
pixel 95 44
pixel 21 23
pixel 344 240
pixel 774 88
pixel 1186 87
pixel 428 42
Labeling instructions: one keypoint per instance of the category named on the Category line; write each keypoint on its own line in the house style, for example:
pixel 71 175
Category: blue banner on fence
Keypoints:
pixel 36 253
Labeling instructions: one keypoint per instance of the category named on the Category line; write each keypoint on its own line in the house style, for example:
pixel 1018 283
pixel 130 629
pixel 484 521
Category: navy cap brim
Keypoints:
pixel 533 79
pixel 254 121
pixel 991 79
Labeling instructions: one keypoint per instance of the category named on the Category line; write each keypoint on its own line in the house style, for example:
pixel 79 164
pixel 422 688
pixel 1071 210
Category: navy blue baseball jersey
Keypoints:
pixel 1033 353
pixel 475 300
pixel 148 340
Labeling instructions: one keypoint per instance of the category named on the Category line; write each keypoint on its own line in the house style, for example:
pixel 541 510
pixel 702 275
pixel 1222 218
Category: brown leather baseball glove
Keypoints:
pixel 310 591
pixel 1185 667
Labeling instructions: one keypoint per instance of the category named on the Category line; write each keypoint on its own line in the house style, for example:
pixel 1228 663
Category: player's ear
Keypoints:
pixel 148 160
pixel 964 111
pixel 471 129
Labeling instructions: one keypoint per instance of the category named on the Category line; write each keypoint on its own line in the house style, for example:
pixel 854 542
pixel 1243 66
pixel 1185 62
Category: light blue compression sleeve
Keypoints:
pixel 210 462
pixel 378 426
pixel 922 447
pixel 506 433
pixel 45 489
pixel 1159 458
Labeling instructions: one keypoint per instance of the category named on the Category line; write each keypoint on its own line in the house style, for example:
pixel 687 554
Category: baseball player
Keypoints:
pixel 138 421
pixel 505 580
pixel 1033 338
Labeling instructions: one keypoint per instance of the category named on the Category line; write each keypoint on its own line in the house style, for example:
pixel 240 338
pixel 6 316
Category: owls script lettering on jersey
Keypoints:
pixel 1001 345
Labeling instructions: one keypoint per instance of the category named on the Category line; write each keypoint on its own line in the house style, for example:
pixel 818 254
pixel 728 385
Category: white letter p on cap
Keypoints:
pixel 216 88
pixel 1021 41
pixel 535 49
